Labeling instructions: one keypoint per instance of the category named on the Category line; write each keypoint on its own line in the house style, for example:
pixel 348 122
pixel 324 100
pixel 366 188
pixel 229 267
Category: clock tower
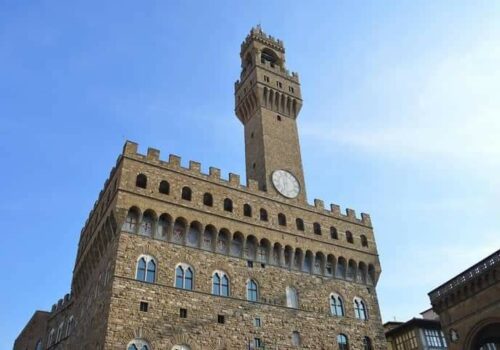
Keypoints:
pixel 268 101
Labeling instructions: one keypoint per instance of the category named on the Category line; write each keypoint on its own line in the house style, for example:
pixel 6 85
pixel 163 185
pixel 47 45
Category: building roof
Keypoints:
pixel 413 323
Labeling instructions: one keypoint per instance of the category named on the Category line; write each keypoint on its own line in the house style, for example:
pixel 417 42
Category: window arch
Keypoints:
pixel 263 214
pixel 70 326
pixel 146 269
pixel 228 205
pixel 38 345
pixel 208 200
pixel 292 299
pixel 317 228
pixel 268 56
pixel 60 332
pixel 186 193
pixel 295 338
pixel 300 224
pixel 367 343
pixel 336 305
pixel 164 187
pixel 131 221
pixel 138 344
pixel 364 241
pixel 141 181
pixel 348 237
pixel 342 342
pixel 281 219
pixel 333 233
pixel 50 339
pixel 360 309
pixel 184 277
pixel 252 290
pixel 247 210
pixel 220 284
pixel 147 223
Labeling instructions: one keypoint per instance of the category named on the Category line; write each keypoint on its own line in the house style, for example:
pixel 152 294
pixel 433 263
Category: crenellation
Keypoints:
pixel 351 213
pixel 335 208
pixel 252 185
pixel 234 179
pixel 153 154
pixel 365 219
pixel 195 167
pixel 174 161
pixel 319 204
pixel 130 148
pixel 214 173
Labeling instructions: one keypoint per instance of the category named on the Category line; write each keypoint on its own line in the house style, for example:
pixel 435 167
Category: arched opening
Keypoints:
pixel 252 290
pixel 364 241
pixel 300 224
pixel 141 181
pixel 264 251
pixel 351 270
pixel 247 210
pixel 341 268
pixel 194 233
pixel 362 272
pixel 148 223
pixel 317 228
pixel 179 231
pixel 164 187
pixel 348 237
pixel 268 56
pixel 298 259
pixel 209 238
pixel 263 214
pixel 131 221
pixel 333 233
pixel 208 199
pixel 281 219
pixel 277 254
pixel 237 244
pixel 223 241
pixel 319 264
pixel 371 274
pixel 186 193
pixel 163 228
pixel 292 299
pixel 251 247
pixel 228 205
pixel 308 262
pixel 330 265
pixel 487 337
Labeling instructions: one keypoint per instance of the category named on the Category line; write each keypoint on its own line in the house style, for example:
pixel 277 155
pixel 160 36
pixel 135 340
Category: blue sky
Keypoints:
pixel 400 120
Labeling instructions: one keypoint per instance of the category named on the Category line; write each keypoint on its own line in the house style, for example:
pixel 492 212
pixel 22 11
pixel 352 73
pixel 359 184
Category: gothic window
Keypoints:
pixel 186 193
pixel 336 305
pixel 59 332
pixel 360 309
pixel 184 277
pixel 367 343
pixel 70 326
pixel 38 345
pixel 141 181
pixel 138 344
pixel 292 300
pixel 252 290
pixel 228 205
pixel 51 339
pixel 300 224
pixel 333 233
pixel 364 241
pixel 348 236
pixel 146 269
pixel 147 224
pixel 164 187
pixel 263 214
pixel 295 338
pixel 342 342
pixel 220 284
pixel 130 224
pixel 208 200
pixel 281 219
pixel 247 210
pixel 317 228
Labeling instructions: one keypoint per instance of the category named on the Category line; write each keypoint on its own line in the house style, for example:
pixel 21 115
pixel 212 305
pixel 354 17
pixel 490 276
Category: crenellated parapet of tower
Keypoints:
pixel 256 33
pixel 194 169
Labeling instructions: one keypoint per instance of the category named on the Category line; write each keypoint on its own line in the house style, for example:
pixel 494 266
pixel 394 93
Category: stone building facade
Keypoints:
pixel 469 306
pixel 173 258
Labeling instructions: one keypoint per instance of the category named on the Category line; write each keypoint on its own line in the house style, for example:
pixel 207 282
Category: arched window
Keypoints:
pixel 292 299
pixel 194 234
pixel 228 205
pixel 364 241
pixel 367 343
pixel 164 187
pixel 50 338
pixel 147 224
pixel 295 338
pixel 336 305
pixel 186 193
pixel 317 228
pixel 252 290
pixel 59 332
pixel 208 199
pixel 268 56
pixel 360 309
pixel 342 342
pixel 281 219
pixel 247 210
pixel 184 277
pixel 220 284
pixel 138 344
pixel 300 224
pixel 333 233
pixel 263 214
pixel 70 326
pixel 130 224
pixel 348 236
pixel 141 181
pixel 146 269
pixel 38 345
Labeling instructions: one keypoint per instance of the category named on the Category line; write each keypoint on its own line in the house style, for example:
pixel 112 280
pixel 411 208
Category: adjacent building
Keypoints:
pixel 469 306
pixel 174 258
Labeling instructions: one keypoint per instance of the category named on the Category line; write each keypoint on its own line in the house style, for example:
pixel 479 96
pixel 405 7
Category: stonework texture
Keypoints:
pixel 144 210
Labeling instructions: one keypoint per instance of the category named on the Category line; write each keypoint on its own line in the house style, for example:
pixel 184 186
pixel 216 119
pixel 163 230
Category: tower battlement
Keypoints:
pixel 256 33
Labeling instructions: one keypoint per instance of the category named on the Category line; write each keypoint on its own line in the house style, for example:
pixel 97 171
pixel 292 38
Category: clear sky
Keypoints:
pixel 400 120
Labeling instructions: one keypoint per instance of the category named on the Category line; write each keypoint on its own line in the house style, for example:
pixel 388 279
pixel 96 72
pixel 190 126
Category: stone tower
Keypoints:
pixel 268 102
pixel 173 258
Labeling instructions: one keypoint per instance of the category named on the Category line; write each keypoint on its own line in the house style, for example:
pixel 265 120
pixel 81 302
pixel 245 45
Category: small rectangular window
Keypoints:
pixel 249 263
pixel 266 78
pixel 290 88
pixel 220 319
pixel 257 342
pixel 143 306
pixel 278 83
pixel 183 313
pixel 257 322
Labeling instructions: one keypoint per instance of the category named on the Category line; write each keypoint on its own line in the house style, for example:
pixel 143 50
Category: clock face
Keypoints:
pixel 286 183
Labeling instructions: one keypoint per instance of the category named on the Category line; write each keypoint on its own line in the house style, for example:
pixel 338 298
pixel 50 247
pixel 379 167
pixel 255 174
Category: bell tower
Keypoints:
pixel 268 101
